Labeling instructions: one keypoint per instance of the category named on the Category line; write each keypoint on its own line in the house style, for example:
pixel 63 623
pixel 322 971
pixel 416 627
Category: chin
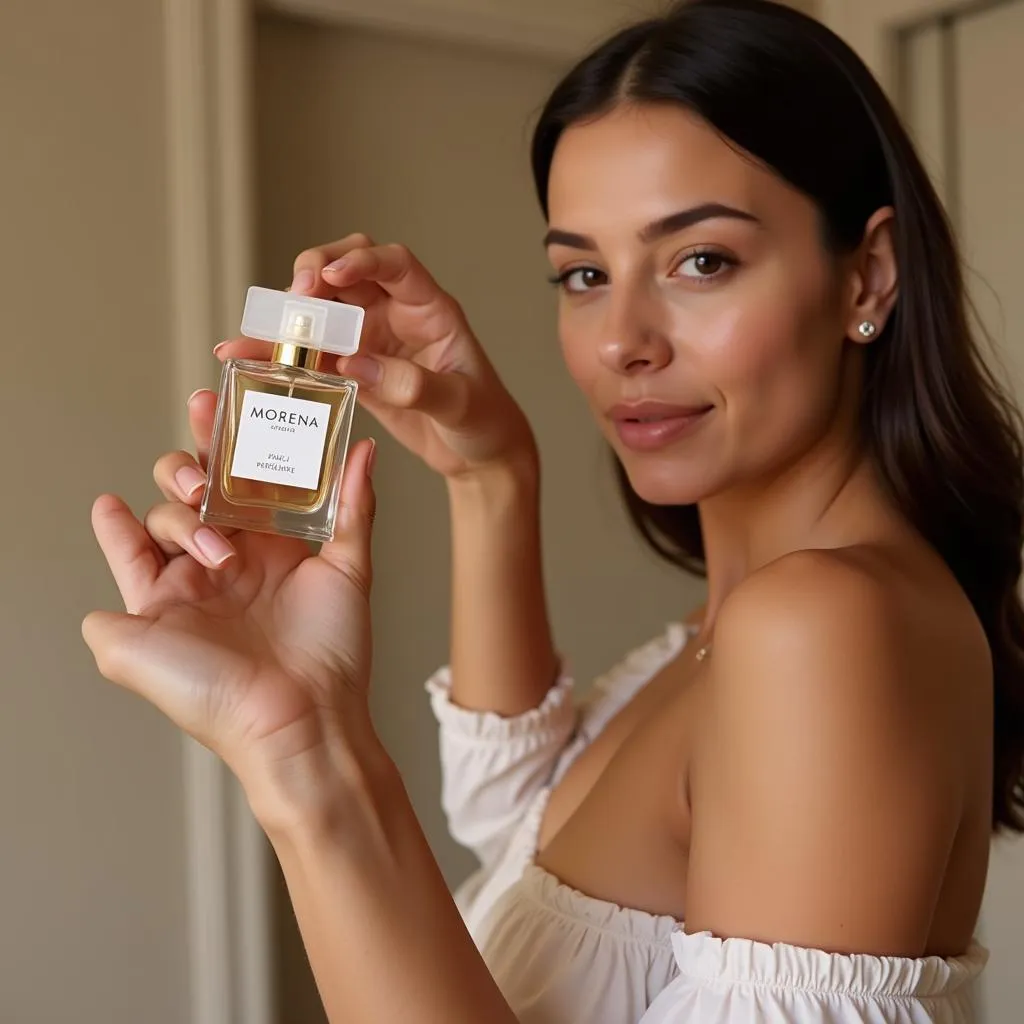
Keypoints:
pixel 662 480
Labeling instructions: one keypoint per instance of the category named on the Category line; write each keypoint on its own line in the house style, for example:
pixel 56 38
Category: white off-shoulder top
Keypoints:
pixel 562 957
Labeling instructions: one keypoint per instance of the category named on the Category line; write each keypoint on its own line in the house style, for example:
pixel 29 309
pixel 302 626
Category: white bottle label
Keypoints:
pixel 281 440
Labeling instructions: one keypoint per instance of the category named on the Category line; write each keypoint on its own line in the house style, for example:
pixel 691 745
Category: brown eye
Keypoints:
pixel 582 279
pixel 703 266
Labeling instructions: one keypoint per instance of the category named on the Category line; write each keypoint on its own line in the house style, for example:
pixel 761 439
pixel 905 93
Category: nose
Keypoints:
pixel 632 341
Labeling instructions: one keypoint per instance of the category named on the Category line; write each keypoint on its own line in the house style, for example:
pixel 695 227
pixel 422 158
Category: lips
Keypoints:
pixel 649 426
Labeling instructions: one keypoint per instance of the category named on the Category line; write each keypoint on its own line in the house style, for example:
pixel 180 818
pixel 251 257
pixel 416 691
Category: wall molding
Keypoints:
pixel 208 97
pixel 551 30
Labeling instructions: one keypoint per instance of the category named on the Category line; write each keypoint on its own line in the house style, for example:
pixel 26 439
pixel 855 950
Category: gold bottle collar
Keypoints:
pixel 289 353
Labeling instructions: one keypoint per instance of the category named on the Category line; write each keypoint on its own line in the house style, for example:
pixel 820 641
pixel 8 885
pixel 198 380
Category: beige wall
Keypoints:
pixel 92 909
pixel 426 144
pixel 558 29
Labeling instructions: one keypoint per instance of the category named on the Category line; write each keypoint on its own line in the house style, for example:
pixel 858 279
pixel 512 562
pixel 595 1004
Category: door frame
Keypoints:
pixel 875 28
pixel 880 31
pixel 210 218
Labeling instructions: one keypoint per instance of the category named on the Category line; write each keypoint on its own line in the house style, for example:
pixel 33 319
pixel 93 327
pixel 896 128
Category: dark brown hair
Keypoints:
pixel 944 435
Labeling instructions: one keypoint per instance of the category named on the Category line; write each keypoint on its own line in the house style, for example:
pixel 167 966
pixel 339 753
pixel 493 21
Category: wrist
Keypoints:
pixel 513 482
pixel 335 789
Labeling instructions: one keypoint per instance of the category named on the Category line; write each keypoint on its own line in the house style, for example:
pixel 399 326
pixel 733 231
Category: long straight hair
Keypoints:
pixel 945 437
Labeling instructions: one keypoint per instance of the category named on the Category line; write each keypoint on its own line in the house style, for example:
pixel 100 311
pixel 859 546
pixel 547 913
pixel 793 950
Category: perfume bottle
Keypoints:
pixel 282 428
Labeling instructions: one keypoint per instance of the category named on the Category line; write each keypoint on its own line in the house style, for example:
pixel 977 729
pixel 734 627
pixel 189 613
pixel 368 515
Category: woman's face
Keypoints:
pixel 699 311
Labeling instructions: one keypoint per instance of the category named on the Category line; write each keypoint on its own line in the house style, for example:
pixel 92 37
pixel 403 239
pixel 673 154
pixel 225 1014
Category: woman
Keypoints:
pixel 762 302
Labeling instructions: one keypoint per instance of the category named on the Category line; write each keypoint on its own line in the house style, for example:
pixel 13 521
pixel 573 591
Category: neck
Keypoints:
pixel 830 497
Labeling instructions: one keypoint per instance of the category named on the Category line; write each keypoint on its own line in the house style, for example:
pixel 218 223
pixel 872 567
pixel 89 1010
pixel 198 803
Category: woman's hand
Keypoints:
pixel 423 374
pixel 261 651
pixel 255 647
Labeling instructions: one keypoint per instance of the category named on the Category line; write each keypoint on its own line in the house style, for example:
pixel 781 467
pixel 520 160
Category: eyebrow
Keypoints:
pixel 658 229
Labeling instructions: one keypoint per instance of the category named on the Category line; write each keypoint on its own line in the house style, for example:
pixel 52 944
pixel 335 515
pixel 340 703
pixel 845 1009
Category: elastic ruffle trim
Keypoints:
pixel 703 957
pixel 549 718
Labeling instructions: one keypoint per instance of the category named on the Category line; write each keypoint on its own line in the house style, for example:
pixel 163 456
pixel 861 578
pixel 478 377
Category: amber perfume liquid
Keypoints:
pixel 278 449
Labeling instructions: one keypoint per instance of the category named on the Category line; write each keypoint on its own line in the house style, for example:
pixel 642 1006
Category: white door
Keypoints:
pixel 957 75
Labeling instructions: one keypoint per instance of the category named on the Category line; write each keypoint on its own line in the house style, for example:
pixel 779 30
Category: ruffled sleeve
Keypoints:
pixel 492 768
pixel 735 980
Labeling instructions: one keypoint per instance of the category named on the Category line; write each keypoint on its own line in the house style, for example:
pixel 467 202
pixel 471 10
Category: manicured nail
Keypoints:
pixel 365 369
pixel 303 281
pixel 212 546
pixel 337 266
pixel 371 459
pixel 189 479
pixel 198 391
pixel 219 346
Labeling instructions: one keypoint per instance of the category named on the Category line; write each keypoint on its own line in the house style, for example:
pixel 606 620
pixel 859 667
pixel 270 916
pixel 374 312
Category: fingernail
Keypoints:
pixel 219 346
pixel 303 281
pixel 337 266
pixel 371 459
pixel 189 479
pixel 365 369
pixel 188 401
pixel 212 546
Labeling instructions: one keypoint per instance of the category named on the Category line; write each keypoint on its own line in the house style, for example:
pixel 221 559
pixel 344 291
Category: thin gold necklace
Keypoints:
pixel 704 651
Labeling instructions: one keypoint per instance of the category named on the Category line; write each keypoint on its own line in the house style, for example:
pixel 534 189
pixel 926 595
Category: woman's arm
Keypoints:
pixel 383 936
pixel 502 655
pixel 382 933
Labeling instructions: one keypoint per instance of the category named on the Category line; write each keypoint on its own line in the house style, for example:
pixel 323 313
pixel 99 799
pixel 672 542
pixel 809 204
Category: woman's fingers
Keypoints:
pixel 243 348
pixel 350 551
pixel 135 560
pixel 308 278
pixel 202 411
pixel 393 267
pixel 176 528
pixel 180 478
pixel 403 384
pixel 124 645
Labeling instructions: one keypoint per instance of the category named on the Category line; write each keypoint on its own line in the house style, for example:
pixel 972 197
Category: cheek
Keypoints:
pixel 775 366
pixel 750 346
pixel 579 352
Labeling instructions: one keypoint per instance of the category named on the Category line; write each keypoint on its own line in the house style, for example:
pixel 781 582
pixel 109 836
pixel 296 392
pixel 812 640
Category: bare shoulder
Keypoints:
pixel 826 791
pixel 877 629
pixel 824 652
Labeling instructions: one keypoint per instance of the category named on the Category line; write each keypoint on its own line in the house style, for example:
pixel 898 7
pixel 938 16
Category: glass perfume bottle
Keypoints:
pixel 282 428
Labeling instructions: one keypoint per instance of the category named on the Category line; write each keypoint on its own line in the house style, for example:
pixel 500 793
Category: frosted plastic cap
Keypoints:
pixel 313 323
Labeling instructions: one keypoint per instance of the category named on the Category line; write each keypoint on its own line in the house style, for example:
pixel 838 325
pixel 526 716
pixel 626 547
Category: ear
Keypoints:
pixel 874 281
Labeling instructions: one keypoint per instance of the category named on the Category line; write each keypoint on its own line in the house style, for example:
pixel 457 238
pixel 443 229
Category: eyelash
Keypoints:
pixel 560 280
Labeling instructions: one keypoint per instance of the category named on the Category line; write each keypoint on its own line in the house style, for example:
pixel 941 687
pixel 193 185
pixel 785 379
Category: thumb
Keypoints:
pixel 167 670
pixel 350 550
pixel 114 640
pixel 403 384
